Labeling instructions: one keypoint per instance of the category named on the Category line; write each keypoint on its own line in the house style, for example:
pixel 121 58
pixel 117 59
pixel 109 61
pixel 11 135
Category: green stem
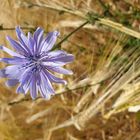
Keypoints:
pixel 70 34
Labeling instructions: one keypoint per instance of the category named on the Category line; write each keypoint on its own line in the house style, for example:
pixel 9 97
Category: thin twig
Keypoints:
pixel 13 28
pixel 67 90
pixel 71 33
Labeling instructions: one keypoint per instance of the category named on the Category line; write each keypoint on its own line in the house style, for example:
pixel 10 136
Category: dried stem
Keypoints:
pixel 64 91
pixel 92 18
pixel 12 28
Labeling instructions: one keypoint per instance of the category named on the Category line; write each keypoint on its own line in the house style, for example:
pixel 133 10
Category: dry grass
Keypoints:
pixel 105 84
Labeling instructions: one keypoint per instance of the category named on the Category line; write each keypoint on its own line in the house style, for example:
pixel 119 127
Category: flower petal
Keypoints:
pixel 10 52
pixel 2 73
pixel 60 70
pixel 53 64
pixel 23 39
pixel 15 60
pixel 52 54
pixel 43 93
pixel 59 58
pixel 25 80
pixel 49 41
pixel 63 58
pixel 17 46
pixel 20 89
pixel 56 53
pixel 13 71
pixel 45 86
pixel 33 87
pixel 53 78
pixel 31 43
pixel 38 37
pixel 12 82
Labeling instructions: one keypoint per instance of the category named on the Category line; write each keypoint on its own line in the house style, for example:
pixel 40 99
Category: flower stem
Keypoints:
pixel 70 34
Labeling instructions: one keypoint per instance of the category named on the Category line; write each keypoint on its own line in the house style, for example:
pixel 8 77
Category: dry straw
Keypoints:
pixel 106 79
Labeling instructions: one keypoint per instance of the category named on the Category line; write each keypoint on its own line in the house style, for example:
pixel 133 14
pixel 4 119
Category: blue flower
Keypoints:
pixel 33 62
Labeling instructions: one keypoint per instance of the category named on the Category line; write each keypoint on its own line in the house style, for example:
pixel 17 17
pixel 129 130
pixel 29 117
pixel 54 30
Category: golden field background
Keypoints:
pixel 105 83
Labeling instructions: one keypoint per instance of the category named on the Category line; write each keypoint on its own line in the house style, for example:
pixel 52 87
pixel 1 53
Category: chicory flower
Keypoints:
pixel 33 63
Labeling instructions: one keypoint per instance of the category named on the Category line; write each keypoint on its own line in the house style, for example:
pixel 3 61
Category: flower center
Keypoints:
pixel 34 62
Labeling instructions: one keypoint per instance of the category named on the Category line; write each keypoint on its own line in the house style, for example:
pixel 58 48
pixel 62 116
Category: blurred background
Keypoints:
pixel 102 98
